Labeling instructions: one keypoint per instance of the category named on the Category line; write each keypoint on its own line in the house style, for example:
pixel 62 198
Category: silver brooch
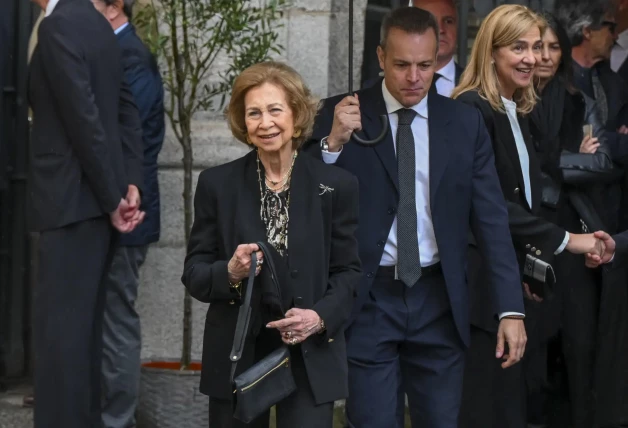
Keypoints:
pixel 324 189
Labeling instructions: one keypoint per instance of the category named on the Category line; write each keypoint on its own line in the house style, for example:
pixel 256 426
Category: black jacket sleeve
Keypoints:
pixel 204 273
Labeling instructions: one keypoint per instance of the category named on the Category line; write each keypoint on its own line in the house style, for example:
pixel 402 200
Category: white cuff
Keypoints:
pixel 508 314
pixel 331 157
pixel 563 245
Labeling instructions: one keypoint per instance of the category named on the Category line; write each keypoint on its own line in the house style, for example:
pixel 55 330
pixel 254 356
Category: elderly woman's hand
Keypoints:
pixel 298 325
pixel 239 265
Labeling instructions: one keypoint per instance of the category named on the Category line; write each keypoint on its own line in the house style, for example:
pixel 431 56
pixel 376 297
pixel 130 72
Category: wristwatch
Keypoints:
pixel 324 145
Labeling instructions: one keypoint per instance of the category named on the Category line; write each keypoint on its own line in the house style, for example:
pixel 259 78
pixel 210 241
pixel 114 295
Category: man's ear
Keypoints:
pixel 586 33
pixel 115 10
pixel 381 56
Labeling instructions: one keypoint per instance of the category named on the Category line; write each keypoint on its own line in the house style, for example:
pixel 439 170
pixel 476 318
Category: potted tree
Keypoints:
pixel 188 37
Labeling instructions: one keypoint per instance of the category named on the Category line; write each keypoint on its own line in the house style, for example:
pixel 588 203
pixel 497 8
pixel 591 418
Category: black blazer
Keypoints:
pixel 86 145
pixel 322 259
pixel 464 196
pixel 527 229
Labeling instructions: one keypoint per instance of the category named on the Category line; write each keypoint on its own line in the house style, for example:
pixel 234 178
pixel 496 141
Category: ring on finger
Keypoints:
pixel 293 341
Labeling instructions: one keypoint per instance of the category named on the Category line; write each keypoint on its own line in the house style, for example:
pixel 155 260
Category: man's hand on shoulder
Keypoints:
pixel 511 331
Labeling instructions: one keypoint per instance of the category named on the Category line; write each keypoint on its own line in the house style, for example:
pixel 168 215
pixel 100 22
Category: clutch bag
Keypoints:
pixel 539 275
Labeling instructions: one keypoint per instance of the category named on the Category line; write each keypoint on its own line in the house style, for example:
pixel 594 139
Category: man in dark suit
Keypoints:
pixel 416 212
pixel 448 71
pixel 122 335
pixel 85 177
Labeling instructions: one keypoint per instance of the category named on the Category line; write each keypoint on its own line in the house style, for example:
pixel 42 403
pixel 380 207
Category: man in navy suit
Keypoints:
pixel 121 329
pixel 410 322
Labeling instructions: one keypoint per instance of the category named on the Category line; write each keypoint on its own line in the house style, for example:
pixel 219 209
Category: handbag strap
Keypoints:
pixel 244 316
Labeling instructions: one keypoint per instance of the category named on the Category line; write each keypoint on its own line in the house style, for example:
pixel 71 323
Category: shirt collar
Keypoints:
pixel 448 72
pixel 120 28
pixel 392 105
pixel 622 39
pixel 51 6
pixel 509 104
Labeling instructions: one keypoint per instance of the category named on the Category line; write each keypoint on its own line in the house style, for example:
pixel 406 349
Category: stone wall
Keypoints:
pixel 314 36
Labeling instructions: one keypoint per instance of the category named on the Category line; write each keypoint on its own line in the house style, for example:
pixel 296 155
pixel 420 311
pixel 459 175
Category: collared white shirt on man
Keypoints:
pixel 447 82
pixel 428 249
pixel 620 51
pixel 51 6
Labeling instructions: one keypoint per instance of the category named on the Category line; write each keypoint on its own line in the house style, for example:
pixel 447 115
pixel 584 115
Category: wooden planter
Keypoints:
pixel 169 397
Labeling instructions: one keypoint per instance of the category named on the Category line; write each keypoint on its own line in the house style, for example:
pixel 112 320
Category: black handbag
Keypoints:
pixel 270 380
pixel 587 168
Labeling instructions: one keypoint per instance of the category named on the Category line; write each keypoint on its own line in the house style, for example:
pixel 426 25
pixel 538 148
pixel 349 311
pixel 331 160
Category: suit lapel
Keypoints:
pixel 303 190
pixel 437 121
pixel 248 223
pixel 372 106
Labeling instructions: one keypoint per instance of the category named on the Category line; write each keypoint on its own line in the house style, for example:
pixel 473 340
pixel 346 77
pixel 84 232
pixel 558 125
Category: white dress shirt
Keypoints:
pixel 51 6
pixel 120 28
pixel 428 250
pixel 524 158
pixel 447 82
pixel 620 51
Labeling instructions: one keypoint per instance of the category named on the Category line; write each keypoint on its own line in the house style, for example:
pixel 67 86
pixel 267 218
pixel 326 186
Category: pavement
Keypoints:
pixel 12 414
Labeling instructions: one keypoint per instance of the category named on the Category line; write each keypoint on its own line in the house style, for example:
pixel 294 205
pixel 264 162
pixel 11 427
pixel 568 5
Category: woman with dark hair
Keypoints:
pixel 577 172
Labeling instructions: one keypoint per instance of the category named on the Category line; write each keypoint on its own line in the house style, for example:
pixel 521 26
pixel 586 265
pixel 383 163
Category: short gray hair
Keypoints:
pixel 576 15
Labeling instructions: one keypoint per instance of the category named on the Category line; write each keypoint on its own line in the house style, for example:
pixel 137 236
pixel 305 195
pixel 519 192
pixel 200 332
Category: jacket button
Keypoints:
pixel 369 275
pixel 528 246
pixel 538 252
pixel 298 301
pixel 516 190
pixel 380 243
pixel 294 273
pixel 391 211
pixel 330 340
pixel 232 302
pixel 533 249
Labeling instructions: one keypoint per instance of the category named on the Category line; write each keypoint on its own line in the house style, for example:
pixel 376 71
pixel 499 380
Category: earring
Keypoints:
pixel 248 140
pixel 297 133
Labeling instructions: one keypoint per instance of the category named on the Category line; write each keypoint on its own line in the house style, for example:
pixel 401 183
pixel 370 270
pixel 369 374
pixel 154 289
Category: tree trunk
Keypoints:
pixel 188 161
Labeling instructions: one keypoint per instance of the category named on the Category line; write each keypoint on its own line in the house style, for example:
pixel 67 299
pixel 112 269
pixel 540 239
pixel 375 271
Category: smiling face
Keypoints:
pixel 515 63
pixel 268 118
pixel 409 64
pixel 550 56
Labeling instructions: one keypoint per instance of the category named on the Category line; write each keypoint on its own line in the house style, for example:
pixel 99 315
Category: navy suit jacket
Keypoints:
pixel 142 75
pixel 465 196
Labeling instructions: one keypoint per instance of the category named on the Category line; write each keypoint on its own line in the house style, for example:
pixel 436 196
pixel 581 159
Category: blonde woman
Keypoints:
pixel 498 82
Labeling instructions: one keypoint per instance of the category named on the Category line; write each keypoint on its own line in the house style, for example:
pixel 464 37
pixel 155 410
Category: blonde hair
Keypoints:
pixel 301 101
pixel 502 27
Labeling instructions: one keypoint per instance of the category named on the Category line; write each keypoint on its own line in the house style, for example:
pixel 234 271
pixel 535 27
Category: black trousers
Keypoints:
pixel 299 410
pixel 67 323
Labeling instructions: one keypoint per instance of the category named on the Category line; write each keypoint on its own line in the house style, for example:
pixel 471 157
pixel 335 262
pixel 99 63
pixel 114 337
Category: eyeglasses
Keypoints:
pixel 612 26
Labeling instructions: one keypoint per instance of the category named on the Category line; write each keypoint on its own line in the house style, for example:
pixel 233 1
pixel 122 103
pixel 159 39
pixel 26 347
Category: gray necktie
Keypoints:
pixel 408 261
